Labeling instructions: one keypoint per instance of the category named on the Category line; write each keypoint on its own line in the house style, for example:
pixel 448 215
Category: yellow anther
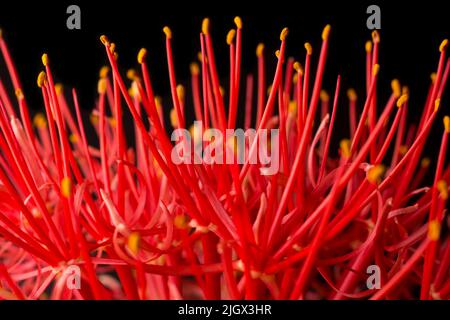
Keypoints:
pixel 375 173
pixel 66 187
pixel 437 104
pixel 260 49
pixel 180 221
pixel 326 32
pixel 101 86
pixel 396 88
pixel 434 230
pixel 230 36
pixel 447 124
pixel 180 92
pixel 103 72
pixel 195 70
pixel 298 67
pixel 167 32
pixel 238 22
pixel 42 78
pixel 45 60
pixel 308 48
pixel 59 88
pixel 284 34
pixel 39 121
pixel 205 26
pixel 443 45
pixel 173 118
pixel 141 55
pixel 104 39
pixel 351 94
pixel 376 69
pixel 443 189
pixel 345 145
pixel 403 149
pixel 433 77
pixel 402 100
pixel 277 53
pixel 19 94
pixel 369 46
pixel 134 240
pixel 73 138
pixel 324 96
pixel 292 108
pixel 131 74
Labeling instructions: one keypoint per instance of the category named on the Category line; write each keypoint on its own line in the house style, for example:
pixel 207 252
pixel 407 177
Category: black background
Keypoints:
pixel 411 34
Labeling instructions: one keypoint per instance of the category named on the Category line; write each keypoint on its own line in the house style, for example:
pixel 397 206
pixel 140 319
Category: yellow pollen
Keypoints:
pixel 351 94
pixel 238 22
pixel 104 40
pixel 298 67
pixel 42 78
pixel 376 69
pixel 59 88
pixel 73 138
pixel 19 94
pixel 66 187
pixel 195 70
pixel 284 34
pixel 180 92
pixel 205 26
pixel 433 77
pixel 101 86
pixel 437 104
pixel 131 74
pixel 167 32
pixel 396 88
pixel 133 242
pixel 173 118
pixel 230 36
pixel 324 96
pixel 94 119
pixel 434 230
pixel 141 55
pixel 39 121
pixel 375 174
pixel 443 189
pixel 180 221
pixel 326 32
pixel 402 149
pixel 308 48
pixel 103 72
pixel 45 60
pixel 260 49
pixel 345 148
pixel 443 45
pixel 369 46
pixel 447 124
pixel 292 108
pixel 277 53
pixel 402 100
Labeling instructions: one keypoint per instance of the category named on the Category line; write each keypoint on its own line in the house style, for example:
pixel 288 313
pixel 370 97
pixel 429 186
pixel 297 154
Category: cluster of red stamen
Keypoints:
pixel 139 226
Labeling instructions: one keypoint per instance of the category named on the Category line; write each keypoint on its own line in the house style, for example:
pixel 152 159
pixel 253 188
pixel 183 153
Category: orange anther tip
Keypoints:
pixel 284 34
pixel 66 187
pixel 101 86
pixel 205 26
pixel 375 36
pixel 45 60
pixel 447 124
pixel 230 36
pixel 369 46
pixel 194 68
pixel 376 69
pixel 141 55
pixel 401 101
pixel 167 32
pixel 443 45
pixel 238 22
pixel 326 32
pixel 396 88
pixel 351 94
pixel 260 49
pixel 308 48
pixel 345 148
pixel 104 40
pixel 104 72
pixel 42 78
pixel 443 189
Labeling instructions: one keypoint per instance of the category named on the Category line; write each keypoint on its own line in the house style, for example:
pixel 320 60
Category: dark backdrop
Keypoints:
pixel 411 33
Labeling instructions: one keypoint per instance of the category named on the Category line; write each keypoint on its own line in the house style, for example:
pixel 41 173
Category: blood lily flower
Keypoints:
pixel 100 217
